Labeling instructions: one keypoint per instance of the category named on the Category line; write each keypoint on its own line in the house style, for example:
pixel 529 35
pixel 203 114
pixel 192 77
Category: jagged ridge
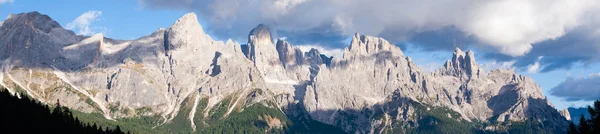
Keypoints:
pixel 154 75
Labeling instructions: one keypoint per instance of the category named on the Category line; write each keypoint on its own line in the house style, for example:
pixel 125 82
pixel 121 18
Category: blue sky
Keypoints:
pixel 122 19
pixel 547 41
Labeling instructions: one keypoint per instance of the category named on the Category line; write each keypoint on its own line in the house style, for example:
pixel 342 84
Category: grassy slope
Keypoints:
pixel 246 119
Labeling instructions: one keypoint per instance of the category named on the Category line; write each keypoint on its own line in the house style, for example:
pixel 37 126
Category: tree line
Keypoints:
pixel 25 115
pixel 588 126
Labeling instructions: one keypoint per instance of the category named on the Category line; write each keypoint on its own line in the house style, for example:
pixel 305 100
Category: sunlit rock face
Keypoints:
pixel 363 45
pixel 565 113
pixel 371 87
pixel 260 43
pixel 462 65
pixel 288 55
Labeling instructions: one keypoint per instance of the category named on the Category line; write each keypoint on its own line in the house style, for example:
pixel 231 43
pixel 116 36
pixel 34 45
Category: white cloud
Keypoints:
pixel 510 26
pixel 492 65
pixel 83 23
pixel 532 69
pixel 338 53
pixel 535 67
pixel 6 1
pixel 430 67
pixel 513 25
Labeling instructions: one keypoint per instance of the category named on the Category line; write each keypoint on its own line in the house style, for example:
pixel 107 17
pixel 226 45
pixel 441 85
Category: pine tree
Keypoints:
pixel 572 129
pixel 118 129
pixel 30 116
pixel 584 127
pixel 595 120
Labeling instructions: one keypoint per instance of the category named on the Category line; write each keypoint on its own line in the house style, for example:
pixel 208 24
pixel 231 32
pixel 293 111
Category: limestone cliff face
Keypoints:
pixel 373 86
pixel 155 73
pixel 565 113
pixel 462 65
pixel 288 55
pixel 362 45
pixel 33 38
pixel 263 53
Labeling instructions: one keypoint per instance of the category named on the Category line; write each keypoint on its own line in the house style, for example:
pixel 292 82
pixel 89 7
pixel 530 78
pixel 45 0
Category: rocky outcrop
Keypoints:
pixel 260 35
pixel 151 73
pixel 291 56
pixel 462 65
pixel 313 57
pixel 184 29
pixel 565 113
pixel 369 74
pixel 34 39
pixel 362 45
pixel 288 55
pixel 373 86
pixel 263 53
pixel 260 44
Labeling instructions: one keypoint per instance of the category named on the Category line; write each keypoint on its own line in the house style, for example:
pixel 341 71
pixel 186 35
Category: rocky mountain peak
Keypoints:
pixel 260 44
pixel 363 45
pixel 288 55
pixel 185 30
pixel 264 54
pixel 371 89
pixel 33 37
pixel 461 64
pixel 314 57
pixel 260 35
pixel 188 20
pixel 458 55
pixel 33 20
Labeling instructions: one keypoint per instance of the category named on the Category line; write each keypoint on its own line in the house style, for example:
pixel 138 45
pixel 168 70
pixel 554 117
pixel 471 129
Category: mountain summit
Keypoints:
pixel 180 79
pixel 462 65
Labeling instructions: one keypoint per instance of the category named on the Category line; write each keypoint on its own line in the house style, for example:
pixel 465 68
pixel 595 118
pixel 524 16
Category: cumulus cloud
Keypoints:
pixel 532 69
pixel 535 67
pixel 6 1
pixel 83 23
pixel 575 89
pixel 492 65
pixel 511 27
pixel 578 47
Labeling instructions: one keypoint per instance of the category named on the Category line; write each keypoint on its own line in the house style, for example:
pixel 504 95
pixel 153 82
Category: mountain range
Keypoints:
pixel 181 79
